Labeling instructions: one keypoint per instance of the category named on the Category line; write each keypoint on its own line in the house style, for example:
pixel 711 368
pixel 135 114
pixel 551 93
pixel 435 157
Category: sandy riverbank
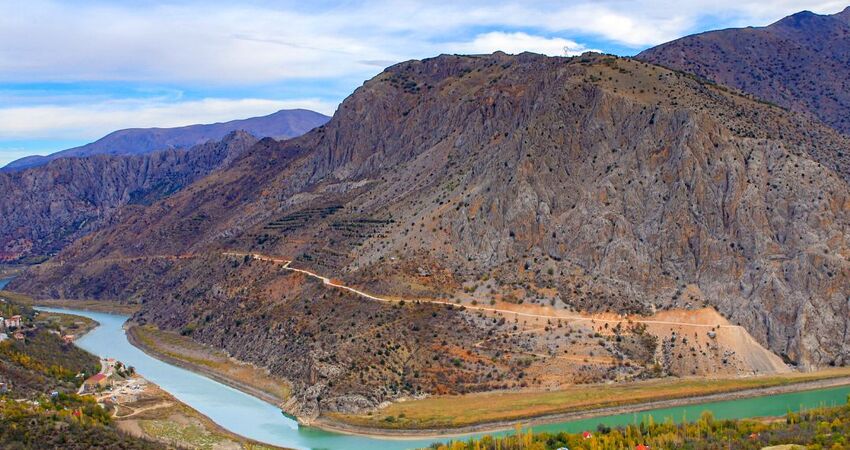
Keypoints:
pixel 133 335
pixel 151 413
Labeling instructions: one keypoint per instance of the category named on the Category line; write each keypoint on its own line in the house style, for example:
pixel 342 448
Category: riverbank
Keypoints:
pixel 188 354
pixel 436 417
pixel 69 324
pixel 148 412
pixel 87 305
pixel 332 423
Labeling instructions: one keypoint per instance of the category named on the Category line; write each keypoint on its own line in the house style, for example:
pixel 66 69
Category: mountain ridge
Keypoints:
pixel 801 62
pixel 595 184
pixel 46 207
pixel 282 124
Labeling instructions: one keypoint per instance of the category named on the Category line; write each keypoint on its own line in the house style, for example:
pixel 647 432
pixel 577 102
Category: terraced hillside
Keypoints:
pixel 591 185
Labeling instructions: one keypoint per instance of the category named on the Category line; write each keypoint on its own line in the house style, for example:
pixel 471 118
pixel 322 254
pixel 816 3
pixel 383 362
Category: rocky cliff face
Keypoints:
pixel 591 183
pixel 801 62
pixel 45 208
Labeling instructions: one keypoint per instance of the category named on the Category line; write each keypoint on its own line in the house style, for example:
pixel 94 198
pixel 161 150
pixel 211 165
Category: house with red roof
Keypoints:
pixel 99 380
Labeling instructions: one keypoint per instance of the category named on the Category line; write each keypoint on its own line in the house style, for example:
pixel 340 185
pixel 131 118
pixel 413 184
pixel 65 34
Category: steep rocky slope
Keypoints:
pixel 44 208
pixel 801 62
pixel 572 184
pixel 283 124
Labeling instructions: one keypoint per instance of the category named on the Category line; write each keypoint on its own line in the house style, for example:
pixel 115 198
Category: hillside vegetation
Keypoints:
pixel 587 187
pixel 821 428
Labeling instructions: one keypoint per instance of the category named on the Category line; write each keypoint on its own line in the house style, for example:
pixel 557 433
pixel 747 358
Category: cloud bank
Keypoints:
pixel 258 48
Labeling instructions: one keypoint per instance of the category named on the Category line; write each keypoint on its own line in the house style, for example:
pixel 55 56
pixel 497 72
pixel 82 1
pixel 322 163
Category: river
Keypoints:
pixel 261 421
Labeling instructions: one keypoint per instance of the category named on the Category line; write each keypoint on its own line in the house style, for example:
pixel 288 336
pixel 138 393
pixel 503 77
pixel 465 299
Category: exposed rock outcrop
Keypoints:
pixel 590 183
pixel 45 208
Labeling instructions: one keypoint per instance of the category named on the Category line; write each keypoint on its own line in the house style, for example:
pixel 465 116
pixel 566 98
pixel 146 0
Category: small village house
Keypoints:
pixel 18 336
pixel 3 337
pixel 95 382
pixel 68 339
pixel 13 322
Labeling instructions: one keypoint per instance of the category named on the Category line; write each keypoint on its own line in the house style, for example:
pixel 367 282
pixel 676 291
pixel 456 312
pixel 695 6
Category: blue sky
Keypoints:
pixel 73 71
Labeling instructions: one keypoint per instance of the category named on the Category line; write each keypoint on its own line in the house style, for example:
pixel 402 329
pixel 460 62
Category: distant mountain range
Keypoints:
pixel 46 207
pixel 49 201
pixel 283 124
pixel 801 62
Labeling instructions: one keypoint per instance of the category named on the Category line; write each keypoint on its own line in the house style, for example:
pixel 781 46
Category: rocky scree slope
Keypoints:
pixel 590 183
pixel 45 208
pixel 801 62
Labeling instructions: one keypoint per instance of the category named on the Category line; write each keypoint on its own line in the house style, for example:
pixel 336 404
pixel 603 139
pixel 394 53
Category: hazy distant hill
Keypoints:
pixel 801 62
pixel 283 124
pixel 44 208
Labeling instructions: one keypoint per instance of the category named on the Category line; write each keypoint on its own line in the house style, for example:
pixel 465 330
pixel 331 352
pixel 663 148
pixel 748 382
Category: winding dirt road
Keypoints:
pixel 566 317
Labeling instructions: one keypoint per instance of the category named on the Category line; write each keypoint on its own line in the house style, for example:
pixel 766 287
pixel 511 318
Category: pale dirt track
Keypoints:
pixel 286 264
pixel 734 336
pixel 567 317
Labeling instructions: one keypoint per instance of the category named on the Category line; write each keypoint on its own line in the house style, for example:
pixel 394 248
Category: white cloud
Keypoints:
pixel 94 120
pixel 514 43
pixel 221 44
pixel 226 43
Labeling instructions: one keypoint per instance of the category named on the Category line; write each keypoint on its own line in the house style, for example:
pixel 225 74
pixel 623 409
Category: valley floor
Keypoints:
pixel 493 411
pixel 441 415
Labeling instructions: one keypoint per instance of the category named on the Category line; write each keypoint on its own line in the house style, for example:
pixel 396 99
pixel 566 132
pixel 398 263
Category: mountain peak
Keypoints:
pixel 798 20
pixel 844 15
pixel 796 62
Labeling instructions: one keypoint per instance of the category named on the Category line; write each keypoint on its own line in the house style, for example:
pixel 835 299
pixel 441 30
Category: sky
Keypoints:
pixel 71 72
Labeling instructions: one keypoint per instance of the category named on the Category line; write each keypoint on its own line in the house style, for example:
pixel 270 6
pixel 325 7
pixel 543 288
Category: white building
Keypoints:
pixel 14 321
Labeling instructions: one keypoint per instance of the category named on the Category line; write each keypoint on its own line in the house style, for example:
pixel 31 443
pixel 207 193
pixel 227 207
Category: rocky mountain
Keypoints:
pixel 134 141
pixel 44 208
pixel 801 62
pixel 590 184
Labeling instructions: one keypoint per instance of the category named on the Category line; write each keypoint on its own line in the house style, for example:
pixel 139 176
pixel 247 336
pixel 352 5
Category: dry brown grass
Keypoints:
pixel 458 411
pixel 193 354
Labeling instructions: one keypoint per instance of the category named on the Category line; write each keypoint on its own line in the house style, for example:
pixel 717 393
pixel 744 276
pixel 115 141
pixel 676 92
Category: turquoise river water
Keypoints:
pixel 253 418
